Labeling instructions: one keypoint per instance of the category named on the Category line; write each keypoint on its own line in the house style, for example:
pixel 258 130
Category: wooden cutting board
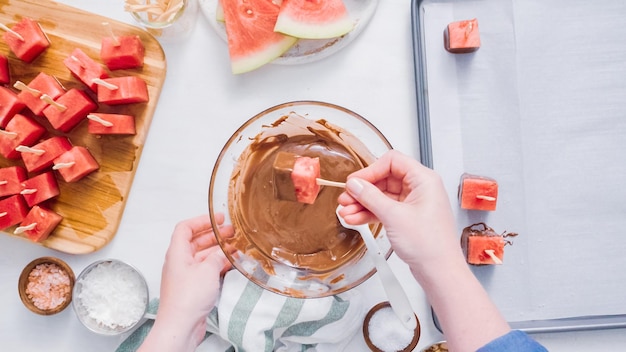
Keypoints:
pixel 92 207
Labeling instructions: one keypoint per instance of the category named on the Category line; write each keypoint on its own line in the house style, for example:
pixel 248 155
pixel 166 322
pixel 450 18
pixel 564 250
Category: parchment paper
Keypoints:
pixel 541 107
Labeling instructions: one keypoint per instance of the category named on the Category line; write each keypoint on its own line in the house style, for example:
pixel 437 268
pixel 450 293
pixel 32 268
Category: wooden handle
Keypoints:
pixel 322 182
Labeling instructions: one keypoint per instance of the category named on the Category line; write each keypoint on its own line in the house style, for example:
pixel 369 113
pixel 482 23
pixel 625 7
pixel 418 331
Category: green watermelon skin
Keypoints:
pixel 314 19
pixel 252 41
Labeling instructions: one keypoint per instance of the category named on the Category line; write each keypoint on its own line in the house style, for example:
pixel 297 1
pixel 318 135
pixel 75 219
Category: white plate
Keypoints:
pixel 307 50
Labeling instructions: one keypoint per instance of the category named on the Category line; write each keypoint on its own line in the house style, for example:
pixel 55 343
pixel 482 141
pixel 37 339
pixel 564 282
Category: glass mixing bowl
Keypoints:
pixel 291 248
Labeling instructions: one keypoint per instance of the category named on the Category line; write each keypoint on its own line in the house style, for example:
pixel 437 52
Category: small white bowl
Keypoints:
pixel 83 311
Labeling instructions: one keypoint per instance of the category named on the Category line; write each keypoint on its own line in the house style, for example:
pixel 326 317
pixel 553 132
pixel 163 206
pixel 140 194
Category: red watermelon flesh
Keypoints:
pixel 33 42
pixel 9 105
pixel 40 188
pixel 5 73
pixel 52 147
pixel 83 164
pixel 304 177
pixel 462 36
pixel 314 19
pixel 46 221
pixel 44 84
pixel 252 41
pixel 21 130
pixel 11 179
pixel 478 245
pixel 13 210
pixel 85 68
pixel 120 124
pixel 130 89
pixel 478 192
pixel 128 52
pixel 77 106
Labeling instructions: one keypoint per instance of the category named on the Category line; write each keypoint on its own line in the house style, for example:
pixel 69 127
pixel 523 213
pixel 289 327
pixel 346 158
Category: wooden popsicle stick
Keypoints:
pixel 21 229
pixel 322 182
pixel 100 120
pixel 487 198
pixel 19 36
pixel 105 84
pixel 49 100
pixel 491 253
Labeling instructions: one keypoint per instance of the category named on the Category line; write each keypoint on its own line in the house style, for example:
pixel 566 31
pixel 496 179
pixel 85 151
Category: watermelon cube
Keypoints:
pixel 9 105
pixel 123 90
pixel 478 192
pixel 478 248
pixel 41 84
pixel 30 40
pixel 100 123
pixel 21 130
pixel 13 210
pixel 5 73
pixel 39 223
pixel 75 164
pixel 295 177
pixel 11 179
pixel 42 155
pixel 462 36
pixel 77 104
pixel 40 188
pixel 122 52
pixel 85 68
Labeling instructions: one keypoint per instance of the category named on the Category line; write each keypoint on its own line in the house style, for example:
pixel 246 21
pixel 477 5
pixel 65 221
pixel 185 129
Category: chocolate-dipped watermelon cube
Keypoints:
pixel 295 177
pixel 75 164
pixel 76 107
pixel 478 192
pixel 41 156
pixel 5 72
pixel 43 83
pixel 85 68
pixel 123 90
pixel 39 223
pixel 481 245
pixel 21 130
pixel 11 178
pixel 10 105
pixel 122 52
pixel 13 210
pixel 100 123
pixel 26 39
pixel 40 188
pixel 462 36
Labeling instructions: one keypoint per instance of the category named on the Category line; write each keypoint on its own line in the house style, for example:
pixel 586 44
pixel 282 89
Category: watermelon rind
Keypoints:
pixel 314 20
pixel 245 64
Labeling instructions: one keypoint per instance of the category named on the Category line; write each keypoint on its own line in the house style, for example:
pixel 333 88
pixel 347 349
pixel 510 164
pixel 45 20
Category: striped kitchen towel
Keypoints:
pixel 248 318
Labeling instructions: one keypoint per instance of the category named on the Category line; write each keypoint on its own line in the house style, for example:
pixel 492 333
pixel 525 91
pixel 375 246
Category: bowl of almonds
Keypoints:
pixel 45 285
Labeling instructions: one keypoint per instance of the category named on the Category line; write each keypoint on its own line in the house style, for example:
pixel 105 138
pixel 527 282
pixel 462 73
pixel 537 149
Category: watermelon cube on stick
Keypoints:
pixel 76 107
pixel 21 130
pixel 10 105
pixel 295 177
pixel 26 39
pixel 122 90
pixel 75 164
pixel 41 156
pixel 85 68
pixel 478 192
pixel 11 178
pixel 481 245
pixel 5 73
pixel 462 37
pixel 39 223
pixel 42 84
pixel 308 19
pixel 40 188
pixel 252 41
pixel 13 210
pixel 100 123
pixel 122 52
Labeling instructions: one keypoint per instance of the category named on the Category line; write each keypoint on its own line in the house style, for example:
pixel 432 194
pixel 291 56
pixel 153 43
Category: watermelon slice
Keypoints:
pixel 122 52
pixel 462 36
pixel 5 73
pixel 40 188
pixel 100 123
pixel 9 105
pixel 30 40
pixel 42 155
pixel 314 19
pixel 295 177
pixel 21 130
pixel 483 250
pixel 252 41
pixel 77 105
pixel 123 90
pixel 41 84
pixel 39 223
pixel 11 179
pixel 478 192
pixel 12 211
pixel 75 164
pixel 84 68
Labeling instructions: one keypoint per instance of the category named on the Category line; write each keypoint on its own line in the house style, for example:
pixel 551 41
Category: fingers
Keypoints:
pixel 214 257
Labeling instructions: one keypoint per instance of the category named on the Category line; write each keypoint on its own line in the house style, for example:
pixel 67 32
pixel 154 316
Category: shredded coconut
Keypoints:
pixel 48 286
pixel 387 332
pixel 113 294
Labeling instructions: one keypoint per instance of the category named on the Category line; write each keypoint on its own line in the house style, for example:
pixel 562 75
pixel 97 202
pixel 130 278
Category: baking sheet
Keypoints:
pixel 540 107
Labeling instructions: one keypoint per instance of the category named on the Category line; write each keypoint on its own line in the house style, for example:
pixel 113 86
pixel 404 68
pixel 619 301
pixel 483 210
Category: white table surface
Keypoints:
pixel 200 106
